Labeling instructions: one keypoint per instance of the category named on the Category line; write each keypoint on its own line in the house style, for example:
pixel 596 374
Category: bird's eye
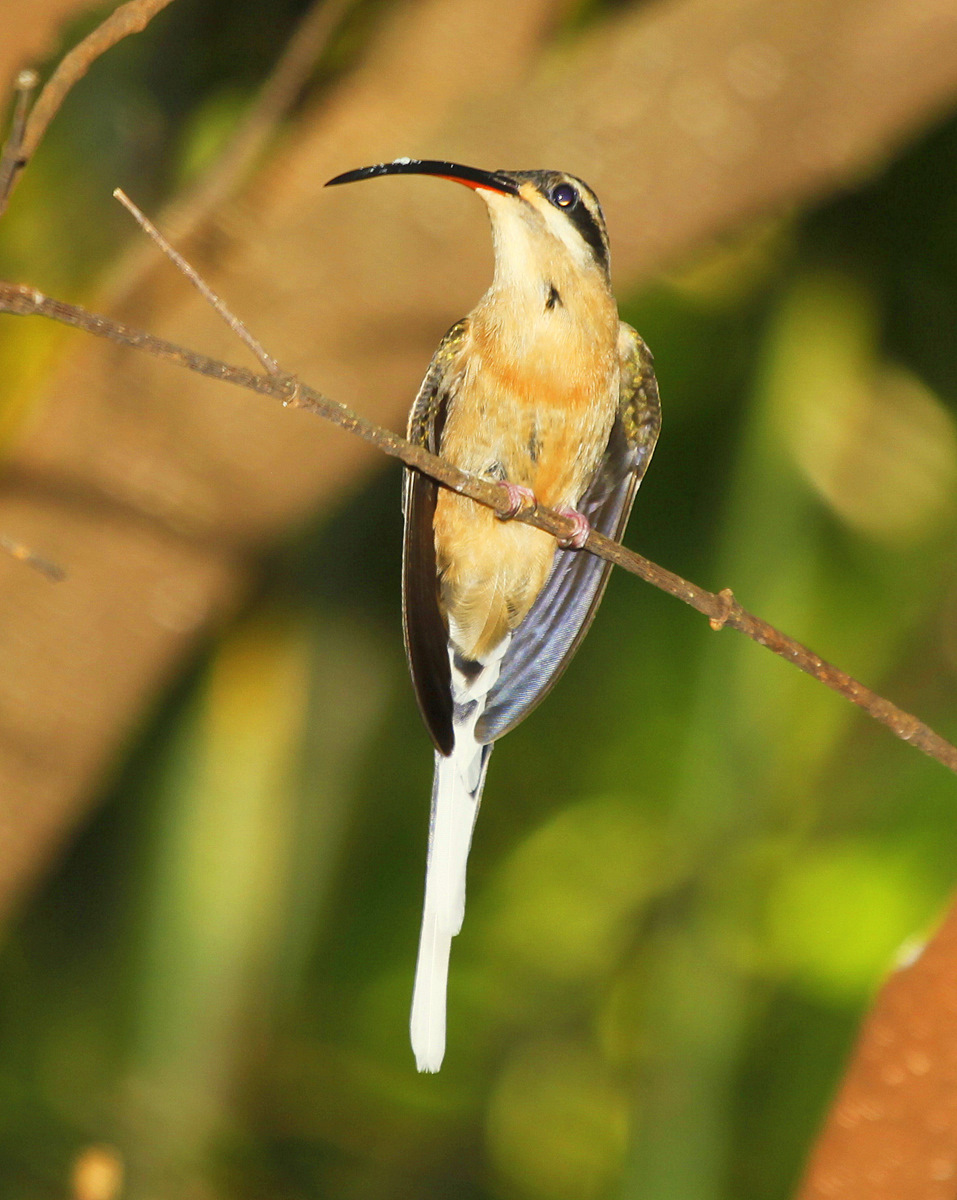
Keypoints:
pixel 564 195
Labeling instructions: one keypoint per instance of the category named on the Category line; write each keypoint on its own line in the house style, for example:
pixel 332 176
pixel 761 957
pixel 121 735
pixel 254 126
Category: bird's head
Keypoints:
pixel 544 223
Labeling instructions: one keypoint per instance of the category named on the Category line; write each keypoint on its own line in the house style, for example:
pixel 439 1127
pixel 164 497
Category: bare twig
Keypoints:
pixel 12 160
pixel 188 213
pixel 721 609
pixel 199 283
pixel 24 554
pixel 132 17
pixel 251 136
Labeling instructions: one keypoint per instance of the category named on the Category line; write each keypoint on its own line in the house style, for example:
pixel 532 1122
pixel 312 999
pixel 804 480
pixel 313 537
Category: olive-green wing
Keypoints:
pixel 546 640
pixel 426 635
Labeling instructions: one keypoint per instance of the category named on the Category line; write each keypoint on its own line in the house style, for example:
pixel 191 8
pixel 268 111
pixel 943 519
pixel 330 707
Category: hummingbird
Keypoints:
pixel 543 389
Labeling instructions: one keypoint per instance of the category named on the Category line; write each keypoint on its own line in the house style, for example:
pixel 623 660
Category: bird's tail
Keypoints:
pixel 456 795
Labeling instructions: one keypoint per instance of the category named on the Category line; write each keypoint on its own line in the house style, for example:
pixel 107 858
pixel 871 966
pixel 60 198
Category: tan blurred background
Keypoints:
pixel 774 175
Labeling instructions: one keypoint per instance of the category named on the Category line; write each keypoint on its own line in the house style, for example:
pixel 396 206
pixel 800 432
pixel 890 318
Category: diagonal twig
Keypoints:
pixel 131 17
pixel 254 130
pixel 13 159
pixel 199 283
pixel 721 608
pixel 188 213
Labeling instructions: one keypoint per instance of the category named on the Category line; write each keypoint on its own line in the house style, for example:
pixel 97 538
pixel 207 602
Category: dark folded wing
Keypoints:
pixel 544 643
pixel 426 637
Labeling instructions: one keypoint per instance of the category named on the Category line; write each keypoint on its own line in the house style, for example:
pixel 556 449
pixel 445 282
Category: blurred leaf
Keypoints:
pixel 840 912
pixel 565 902
pixel 557 1124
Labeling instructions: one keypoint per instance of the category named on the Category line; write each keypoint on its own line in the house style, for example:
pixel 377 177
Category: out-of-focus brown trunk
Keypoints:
pixel 892 1131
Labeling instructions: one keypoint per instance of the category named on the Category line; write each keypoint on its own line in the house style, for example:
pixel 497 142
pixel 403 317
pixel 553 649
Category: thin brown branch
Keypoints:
pixel 132 17
pixel 199 283
pixel 254 131
pixel 12 160
pixel 188 213
pixel 721 609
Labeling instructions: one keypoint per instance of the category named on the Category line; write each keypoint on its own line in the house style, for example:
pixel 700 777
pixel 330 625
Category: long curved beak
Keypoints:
pixel 492 181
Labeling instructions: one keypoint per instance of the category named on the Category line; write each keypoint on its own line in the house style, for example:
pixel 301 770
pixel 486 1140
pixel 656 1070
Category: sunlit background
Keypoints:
pixel 693 865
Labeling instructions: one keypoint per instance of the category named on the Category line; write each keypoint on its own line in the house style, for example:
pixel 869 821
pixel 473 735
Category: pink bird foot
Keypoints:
pixel 579 535
pixel 520 499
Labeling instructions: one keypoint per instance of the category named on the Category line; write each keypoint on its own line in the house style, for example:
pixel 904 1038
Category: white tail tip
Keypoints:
pixel 427 1024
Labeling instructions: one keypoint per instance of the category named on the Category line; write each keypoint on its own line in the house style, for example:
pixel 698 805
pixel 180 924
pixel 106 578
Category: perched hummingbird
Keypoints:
pixel 543 389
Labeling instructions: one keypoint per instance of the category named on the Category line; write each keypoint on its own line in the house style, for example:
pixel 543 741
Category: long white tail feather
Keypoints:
pixel 456 795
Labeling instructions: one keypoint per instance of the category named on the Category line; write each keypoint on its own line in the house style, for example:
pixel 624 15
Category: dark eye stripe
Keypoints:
pixel 590 230
pixel 591 226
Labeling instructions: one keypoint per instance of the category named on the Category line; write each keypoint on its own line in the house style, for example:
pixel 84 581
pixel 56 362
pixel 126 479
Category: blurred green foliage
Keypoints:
pixel 693 865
